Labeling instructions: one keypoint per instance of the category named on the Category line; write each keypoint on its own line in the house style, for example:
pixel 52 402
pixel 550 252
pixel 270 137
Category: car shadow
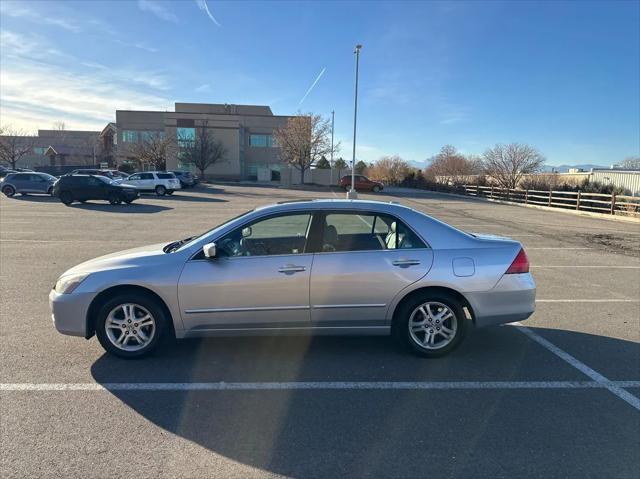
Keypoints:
pixel 181 196
pixel 36 198
pixel 324 432
pixel 105 207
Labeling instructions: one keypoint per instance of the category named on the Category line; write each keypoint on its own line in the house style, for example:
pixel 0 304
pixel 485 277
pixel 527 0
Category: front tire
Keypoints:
pixel 161 190
pixel 430 324
pixel 9 191
pixel 131 325
pixel 66 197
pixel 114 199
pixel 376 189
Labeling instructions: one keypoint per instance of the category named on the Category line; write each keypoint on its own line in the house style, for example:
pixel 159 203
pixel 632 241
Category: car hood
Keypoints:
pixel 122 259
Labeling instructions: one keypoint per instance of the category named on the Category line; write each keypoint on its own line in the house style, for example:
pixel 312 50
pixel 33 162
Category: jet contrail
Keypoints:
pixel 203 6
pixel 313 85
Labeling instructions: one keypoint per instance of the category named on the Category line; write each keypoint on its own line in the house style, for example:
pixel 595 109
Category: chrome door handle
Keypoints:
pixel 291 268
pixel 405 262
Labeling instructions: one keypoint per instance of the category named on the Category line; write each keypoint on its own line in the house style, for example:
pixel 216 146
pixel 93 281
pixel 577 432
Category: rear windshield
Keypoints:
pixel 166 176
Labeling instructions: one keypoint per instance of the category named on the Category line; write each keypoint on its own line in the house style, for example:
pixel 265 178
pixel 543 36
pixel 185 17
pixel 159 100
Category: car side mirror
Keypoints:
pixel 209 250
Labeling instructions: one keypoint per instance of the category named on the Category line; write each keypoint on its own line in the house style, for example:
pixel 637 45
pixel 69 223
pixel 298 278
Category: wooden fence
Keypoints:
pixel 576 200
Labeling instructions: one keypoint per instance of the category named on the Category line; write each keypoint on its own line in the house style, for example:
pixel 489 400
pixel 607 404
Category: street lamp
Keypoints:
pixel 353 194
pixel 333 118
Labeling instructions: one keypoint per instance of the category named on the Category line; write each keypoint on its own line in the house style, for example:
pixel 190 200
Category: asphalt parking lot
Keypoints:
pixel 557 396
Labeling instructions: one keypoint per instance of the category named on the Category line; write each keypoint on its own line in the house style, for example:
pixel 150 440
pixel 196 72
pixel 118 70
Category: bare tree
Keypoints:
pixel 203 151
pixel 507 164
pixel 453 166
pixel 14 145
pixel 630 163
pixel 304 140
pixel 389 169
pixel 153 149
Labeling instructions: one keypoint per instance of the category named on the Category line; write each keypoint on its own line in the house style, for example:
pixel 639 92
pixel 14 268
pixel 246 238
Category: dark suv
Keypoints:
pixel 81 188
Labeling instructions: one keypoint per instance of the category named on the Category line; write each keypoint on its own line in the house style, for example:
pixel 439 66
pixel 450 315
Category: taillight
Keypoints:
pixel 520 264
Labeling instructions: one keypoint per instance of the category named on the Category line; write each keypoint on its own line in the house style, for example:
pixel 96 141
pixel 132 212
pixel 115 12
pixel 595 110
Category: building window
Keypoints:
pixel 129 136
pixel 262 141
pixel 39 151
pixel 252 172
pixel 150 135
pixel 186 136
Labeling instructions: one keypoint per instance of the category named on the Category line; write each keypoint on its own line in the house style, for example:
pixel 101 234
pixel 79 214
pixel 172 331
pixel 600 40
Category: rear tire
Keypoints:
pixel 148 321
pixel 376 189
pixel 430 324
pixel 161 190
pixel 66 197
pixel 128 201
pixel 9 191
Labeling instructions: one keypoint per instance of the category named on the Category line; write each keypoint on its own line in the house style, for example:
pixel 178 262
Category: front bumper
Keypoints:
pixel 69 312
pixel 512 299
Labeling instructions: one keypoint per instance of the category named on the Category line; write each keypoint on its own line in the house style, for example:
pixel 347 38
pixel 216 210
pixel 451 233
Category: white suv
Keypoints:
pixel 162 182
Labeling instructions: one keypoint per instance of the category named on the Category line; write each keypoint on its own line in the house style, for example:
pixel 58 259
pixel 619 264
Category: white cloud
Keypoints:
pixel 16 10
pixel 38 87
pixel 158 9
pixel 202 4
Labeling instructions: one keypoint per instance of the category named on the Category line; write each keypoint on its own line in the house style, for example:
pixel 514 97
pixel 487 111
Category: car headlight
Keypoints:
pixel 67 284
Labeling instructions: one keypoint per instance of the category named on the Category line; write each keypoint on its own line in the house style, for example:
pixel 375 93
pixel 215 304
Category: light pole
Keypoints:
pixel 333 118
pixel 353 194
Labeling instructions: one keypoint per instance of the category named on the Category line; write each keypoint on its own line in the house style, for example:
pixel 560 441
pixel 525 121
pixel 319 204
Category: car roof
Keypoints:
pixel 329 204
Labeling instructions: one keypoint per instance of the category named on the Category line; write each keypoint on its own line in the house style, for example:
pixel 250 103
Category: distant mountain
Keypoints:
pixel 565 168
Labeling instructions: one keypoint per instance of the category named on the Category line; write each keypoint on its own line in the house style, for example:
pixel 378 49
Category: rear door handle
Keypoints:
pixel 291 268
pixel 403 263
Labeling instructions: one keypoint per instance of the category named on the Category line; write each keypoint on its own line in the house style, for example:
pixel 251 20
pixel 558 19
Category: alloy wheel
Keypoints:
pixel 433 325
pixel 130 327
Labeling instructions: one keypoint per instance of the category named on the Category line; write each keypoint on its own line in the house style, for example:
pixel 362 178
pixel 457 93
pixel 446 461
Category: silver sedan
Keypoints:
pixel 309 267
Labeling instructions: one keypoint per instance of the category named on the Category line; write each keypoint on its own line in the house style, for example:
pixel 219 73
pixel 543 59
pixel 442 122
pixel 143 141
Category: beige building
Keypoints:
pixel 61 148
pixel 246 132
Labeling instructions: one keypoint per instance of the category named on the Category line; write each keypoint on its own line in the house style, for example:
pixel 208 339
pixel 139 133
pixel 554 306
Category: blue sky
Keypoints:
pixel 561 76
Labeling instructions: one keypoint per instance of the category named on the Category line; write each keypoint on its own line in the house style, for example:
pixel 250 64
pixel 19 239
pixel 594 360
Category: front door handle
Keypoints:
pixel 291 268
pixel 404 263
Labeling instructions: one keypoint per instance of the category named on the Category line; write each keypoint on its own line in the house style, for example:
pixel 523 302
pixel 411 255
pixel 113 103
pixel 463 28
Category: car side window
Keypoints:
pixel 276 235
pixel 366 232
pixel 94 181
pixel 146 176
pixel 134 177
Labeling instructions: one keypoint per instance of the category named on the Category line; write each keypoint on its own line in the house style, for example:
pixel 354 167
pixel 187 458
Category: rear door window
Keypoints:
pixel 362 231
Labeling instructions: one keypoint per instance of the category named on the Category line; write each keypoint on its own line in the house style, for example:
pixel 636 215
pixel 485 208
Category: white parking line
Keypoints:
pixel 556 247
pixel 542 266
pixel 611 300
pixel 580 366
pixel 318 385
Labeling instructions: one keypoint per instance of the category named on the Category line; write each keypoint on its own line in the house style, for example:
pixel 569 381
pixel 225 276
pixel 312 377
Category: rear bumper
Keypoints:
pixel 69 312
pixel 512 299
